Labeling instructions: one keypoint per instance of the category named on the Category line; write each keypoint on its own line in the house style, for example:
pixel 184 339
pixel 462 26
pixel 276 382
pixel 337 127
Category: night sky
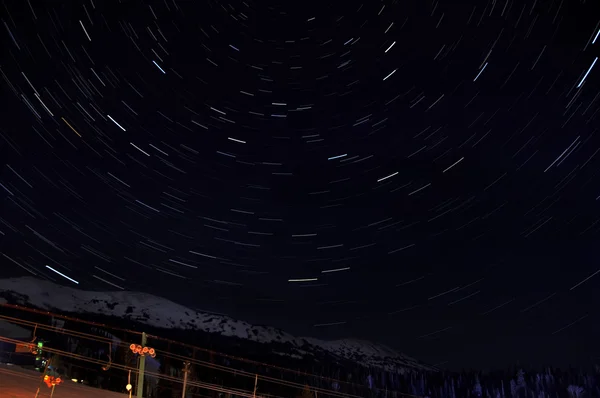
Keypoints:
pixel 420 174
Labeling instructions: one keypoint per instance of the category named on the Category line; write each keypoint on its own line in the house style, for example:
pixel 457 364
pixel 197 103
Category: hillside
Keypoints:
pixel 161 313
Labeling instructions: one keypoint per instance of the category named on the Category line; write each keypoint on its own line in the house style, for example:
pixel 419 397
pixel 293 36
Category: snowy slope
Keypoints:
pixel 162 313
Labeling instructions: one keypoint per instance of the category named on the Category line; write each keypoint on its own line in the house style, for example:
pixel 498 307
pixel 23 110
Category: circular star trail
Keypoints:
pixel 418 173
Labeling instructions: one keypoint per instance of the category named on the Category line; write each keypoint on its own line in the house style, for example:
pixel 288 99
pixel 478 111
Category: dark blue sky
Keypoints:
pixel 420 174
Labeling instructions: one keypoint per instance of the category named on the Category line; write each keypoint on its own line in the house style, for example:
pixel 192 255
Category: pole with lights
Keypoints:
pixel 143 351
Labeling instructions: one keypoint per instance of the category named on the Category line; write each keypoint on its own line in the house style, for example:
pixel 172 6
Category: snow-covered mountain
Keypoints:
pixel 159 312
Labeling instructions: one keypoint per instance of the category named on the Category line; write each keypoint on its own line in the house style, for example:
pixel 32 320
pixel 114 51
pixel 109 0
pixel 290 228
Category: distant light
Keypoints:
pixel 335 270
pixel 329 324
pixel 61 274
pixel 388 176
pixel 391 45
pixel 588 72
pixel 481 71
pixel 337 157
pixel 303 280
pixel 75 380
pixel 391 73
pixel 115 122
pixel 596 38
pixel 158 66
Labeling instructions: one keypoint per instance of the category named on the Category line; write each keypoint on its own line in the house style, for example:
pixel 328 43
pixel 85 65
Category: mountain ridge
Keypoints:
pixel 145 308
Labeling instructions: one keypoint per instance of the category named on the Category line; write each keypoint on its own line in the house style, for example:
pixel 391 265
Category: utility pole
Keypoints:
pixel 141 369
pixel 255 385
pixel 186 370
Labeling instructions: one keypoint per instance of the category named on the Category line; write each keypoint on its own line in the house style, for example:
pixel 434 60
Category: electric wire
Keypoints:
pixel 160 376
pixel 209 365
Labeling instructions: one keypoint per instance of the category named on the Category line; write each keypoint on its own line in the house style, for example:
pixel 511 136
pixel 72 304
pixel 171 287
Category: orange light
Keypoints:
pixel 138 349
pixel 52 381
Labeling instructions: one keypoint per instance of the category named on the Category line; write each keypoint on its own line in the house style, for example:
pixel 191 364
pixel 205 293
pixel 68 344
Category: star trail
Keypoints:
pixel 422 173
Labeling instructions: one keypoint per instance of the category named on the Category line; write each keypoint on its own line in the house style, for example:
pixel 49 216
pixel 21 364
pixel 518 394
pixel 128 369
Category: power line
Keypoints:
pixel 160 376
pixel 175 356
